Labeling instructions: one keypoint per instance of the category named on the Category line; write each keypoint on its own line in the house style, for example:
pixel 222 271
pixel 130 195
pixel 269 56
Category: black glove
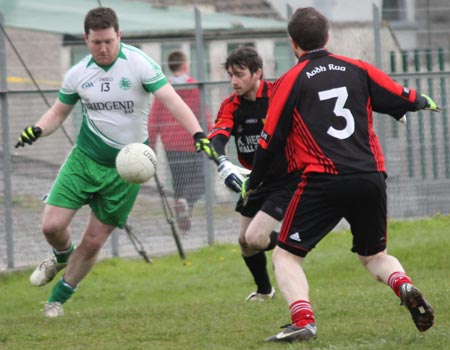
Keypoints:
pixel 29 135
pixel 201 143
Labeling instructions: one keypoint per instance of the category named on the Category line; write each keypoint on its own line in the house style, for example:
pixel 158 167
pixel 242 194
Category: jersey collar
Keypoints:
pixel 262 92
pixel 106 68
pixel 313 54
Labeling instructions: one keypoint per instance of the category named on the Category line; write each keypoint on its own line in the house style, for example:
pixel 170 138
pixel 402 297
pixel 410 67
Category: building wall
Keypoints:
pixel 42 54
pixel 48 60
pixel 335 10
pixel 433 18
pixel 357 40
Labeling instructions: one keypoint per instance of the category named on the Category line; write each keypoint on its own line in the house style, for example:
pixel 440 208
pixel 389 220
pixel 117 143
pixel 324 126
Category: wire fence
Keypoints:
pixel 417 154
pixel 417 157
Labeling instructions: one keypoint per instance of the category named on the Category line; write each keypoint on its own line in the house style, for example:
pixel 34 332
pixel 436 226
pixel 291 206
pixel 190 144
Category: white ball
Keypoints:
pixel 136 163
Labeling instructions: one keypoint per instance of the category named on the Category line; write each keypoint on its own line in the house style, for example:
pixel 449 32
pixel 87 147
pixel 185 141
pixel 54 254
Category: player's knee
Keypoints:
pixel 243 243
pixel 52 229
pixel 246 249
pixel 256 242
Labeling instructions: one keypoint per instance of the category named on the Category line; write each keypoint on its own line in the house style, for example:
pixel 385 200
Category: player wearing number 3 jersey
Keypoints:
pixel 320 115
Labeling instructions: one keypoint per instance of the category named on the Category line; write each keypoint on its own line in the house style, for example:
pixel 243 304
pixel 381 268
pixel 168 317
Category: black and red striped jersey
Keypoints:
pixel 244 120
pixel 320 114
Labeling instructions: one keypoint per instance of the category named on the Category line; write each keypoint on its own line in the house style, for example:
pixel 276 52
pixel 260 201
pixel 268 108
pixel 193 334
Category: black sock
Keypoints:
pixel 257 264
pixel 273 240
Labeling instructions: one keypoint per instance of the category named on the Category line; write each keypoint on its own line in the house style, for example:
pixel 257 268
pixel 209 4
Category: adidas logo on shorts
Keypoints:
pixel 295 237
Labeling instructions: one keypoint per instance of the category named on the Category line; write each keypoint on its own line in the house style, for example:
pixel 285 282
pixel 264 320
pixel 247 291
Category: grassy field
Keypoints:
pixel 199 303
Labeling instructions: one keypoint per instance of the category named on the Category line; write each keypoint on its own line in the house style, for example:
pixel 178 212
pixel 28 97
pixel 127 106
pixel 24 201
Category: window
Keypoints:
pixel 394 10
pixel 77 53
pixel 206 68
pixel 233 46
pixel 283 56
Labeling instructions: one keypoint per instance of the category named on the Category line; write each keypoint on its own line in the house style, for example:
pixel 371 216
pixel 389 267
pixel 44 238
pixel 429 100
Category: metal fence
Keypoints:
pixel 28 173
pixel 417 157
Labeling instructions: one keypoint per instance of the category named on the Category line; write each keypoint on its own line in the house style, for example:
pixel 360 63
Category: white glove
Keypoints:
pixel 230 176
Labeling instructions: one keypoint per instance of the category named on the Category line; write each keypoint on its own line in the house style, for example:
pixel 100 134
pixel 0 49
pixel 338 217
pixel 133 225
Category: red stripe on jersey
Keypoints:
pixel 306 152
pixel 373 140
pixel 291 149
pixel 380 78
pixel 280 93
pixel 224 122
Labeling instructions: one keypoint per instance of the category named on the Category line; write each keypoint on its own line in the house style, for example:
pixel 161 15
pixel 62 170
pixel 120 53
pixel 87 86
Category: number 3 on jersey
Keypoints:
pixel 341 95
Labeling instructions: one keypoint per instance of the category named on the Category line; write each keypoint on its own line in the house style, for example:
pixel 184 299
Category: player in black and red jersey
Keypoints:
pixel 320 118
pixel 242 115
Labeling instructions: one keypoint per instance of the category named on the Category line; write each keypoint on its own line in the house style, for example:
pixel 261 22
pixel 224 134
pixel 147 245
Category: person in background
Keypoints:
pixel 113 84
pixel 185 165
pixel 320 116
pixel 242 116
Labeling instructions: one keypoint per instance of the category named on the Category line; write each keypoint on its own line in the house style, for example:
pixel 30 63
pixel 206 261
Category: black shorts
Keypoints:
pixel 272 197
pixel 322 200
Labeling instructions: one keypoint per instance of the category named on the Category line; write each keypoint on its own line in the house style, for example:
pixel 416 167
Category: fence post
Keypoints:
pixel 115 244
pixel 377 43
pixel 393 70
pixel 444 113
pixel 377 36
pixel 393 61
pixel 201 77
pixel 7 169
pixel 423 165
pixel 292 58
pixel 409 142
pixel 429 65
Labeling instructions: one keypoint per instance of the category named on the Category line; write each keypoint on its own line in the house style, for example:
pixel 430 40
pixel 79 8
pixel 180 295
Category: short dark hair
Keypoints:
pixel 176 59
pixel 308 28
pixel 101 18
pixel 244 57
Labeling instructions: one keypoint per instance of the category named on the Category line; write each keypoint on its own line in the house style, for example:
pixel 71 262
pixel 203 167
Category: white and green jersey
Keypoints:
pixel 115 101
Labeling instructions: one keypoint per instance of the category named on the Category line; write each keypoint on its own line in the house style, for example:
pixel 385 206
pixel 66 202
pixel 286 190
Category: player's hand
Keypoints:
pixel 246 191
pixel 431 105
pixel 230 176
pixel 201 143
pixel 29 135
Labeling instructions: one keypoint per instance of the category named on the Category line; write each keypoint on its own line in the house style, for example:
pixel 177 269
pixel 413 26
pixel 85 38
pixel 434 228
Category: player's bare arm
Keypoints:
pixel 180 110
pixel 54 117
pixel 47 124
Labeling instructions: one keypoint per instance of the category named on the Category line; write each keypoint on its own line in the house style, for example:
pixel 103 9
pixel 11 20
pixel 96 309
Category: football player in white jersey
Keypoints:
pixel 113 84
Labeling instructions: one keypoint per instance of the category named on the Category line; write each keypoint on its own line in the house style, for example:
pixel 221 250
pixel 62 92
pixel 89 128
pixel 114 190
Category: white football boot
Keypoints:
pixel 261 297
pixel 45 272
pixel 53 309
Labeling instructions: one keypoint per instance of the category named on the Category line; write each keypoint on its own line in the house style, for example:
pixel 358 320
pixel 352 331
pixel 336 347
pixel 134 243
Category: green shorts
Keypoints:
pixel 81 181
